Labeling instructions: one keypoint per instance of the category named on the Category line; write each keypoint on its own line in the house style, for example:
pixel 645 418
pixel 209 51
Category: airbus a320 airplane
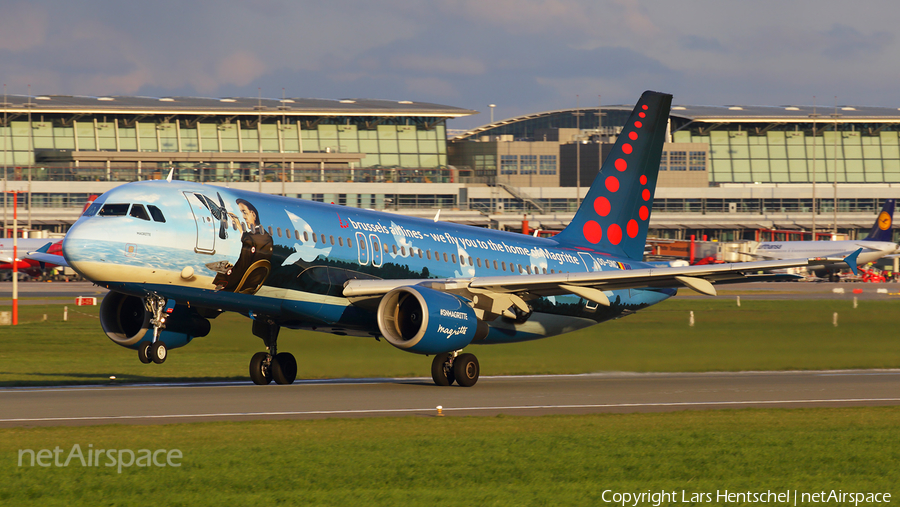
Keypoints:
pixel 176 254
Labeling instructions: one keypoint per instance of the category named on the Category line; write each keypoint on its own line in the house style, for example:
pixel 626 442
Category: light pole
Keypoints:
pixel 578 115
pixel 15 260
pixel 836 115
pixel 814 116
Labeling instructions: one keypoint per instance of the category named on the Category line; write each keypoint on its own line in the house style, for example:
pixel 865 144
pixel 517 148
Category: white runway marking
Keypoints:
pixel 448 409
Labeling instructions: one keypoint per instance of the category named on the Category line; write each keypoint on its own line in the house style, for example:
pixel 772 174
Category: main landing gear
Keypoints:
pixel 452 367
pixel 155 350
pixel 272 365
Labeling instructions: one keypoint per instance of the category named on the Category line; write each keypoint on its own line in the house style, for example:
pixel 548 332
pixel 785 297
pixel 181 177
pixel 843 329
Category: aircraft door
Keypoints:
pixel 206 226
pixel 362 249
pixel 592 265
pixel 377 254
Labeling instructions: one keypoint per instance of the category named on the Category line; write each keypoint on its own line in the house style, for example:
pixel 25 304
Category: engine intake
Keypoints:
pixel 127 322
pixel 427 321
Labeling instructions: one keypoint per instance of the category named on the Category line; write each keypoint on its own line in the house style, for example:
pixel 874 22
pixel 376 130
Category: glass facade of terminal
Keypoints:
pixel 787 156
pixel 392 144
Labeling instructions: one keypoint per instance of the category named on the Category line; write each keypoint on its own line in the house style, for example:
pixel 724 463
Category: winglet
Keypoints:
pixel 169 177
pixel 851 261
pixel 437 216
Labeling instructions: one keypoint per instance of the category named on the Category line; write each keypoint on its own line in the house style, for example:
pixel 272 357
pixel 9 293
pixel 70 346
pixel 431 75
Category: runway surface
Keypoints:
pixel 516 395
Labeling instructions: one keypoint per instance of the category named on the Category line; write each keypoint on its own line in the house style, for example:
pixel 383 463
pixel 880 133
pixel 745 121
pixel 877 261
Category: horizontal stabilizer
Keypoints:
pixel 56 260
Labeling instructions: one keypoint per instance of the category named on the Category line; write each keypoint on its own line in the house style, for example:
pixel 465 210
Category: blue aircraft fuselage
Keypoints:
pixel 258 254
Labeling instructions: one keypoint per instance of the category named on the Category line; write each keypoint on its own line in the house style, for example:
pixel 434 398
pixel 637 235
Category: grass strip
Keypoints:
pixel 758 335
pixel 504 460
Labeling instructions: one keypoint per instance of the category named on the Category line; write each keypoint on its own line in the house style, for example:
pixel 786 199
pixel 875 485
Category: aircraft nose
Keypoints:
pixel 80 247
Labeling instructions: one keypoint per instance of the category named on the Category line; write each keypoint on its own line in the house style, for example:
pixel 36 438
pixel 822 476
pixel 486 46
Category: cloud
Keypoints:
pixel 437 64
pixel 22 26
pixel 240 68
pixel 698 43
pixel 431 86
pixel 844 42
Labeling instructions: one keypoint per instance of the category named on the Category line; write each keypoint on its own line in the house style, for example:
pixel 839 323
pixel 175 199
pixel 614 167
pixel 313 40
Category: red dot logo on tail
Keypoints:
pixel 592 232
pixel 614 233
pixel 602 206
pixel 632 228
pixel 612 184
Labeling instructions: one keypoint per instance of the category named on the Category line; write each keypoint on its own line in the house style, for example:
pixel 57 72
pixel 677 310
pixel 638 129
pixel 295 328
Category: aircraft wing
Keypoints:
pixel 589 285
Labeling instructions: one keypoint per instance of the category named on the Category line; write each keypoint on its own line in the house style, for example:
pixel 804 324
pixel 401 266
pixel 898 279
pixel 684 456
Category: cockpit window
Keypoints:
pixel 113 210
pixel 92 209
pixel 156 213
pixel 138 211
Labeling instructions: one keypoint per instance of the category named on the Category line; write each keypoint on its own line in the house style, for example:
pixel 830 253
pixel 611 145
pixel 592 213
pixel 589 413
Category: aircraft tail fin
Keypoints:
pixel 882 230
pixel 615 214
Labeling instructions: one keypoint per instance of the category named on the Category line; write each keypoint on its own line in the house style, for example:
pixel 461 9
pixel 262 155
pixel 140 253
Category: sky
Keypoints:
pixel 523 56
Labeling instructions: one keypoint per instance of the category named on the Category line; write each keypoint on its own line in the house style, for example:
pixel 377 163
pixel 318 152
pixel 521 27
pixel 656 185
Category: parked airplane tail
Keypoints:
pixel 615 214
pixel 882 230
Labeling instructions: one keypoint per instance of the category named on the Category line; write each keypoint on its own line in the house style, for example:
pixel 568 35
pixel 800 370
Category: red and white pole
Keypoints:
pixel 15 262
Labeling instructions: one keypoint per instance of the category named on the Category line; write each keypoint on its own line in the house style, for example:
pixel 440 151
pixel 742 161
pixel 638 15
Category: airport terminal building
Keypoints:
pixel 726 171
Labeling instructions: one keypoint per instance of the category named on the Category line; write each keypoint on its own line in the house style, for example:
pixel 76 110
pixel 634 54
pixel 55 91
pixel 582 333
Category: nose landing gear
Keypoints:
pixel 154 351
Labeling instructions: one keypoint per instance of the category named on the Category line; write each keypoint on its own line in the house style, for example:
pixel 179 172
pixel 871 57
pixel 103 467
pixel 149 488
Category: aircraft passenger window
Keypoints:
pixel 332 240
pixel 528 268
pixel 478 260
pixel 340 241
pixel 552 271
pixel 350 243
pixel 114 210
pixel 503 265
pixel 305 236
pixel 545 270
pixel 462 260
pixel 287 233
pixel 92 209
pixel 296 234
pixel 495 265
pixel 385 248
pixel 403 251
pixel 470 261
pixel 445 257
pixel 428 254
pixel 279 231
pixel 394 249
pixel 420 253
pixel 270 230
pixel 453 258
pixel 521 269
pixel 362 245
pixel 374 244
pixel 314 238
pixel 138 211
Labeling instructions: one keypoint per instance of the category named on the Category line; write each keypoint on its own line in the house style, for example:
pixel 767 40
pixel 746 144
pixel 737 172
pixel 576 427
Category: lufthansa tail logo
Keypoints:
pixel 884 221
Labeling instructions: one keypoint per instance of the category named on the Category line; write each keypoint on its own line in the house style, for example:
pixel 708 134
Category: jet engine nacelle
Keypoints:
pixel 426 321
pixel 127 322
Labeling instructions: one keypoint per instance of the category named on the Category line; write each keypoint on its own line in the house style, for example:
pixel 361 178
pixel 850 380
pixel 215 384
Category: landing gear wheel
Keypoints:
pixel 143 352
pixel 284 368
pixel 157 352
pixel 441 370
pixel 260 372
pixel 466 369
